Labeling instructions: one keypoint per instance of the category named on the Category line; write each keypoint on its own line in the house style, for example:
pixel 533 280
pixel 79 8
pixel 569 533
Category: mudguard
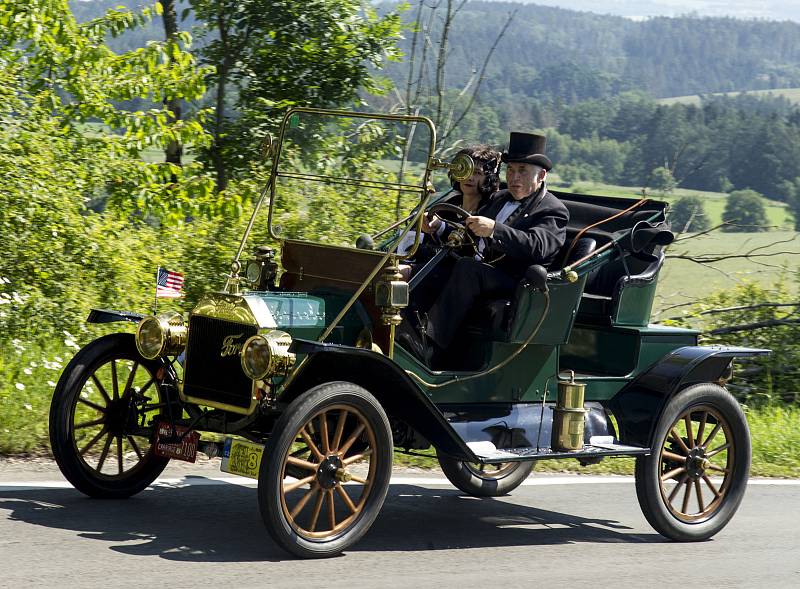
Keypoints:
pixel 394 389
pixel 109 316
pixel 638 406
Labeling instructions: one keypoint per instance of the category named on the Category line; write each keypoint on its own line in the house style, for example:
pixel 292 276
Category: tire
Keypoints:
pixel 321 436
pixel 674 485
pixel 491 480
pixel 99 405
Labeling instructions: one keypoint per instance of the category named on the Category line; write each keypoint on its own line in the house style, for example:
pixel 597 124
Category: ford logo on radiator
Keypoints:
pixel 231 347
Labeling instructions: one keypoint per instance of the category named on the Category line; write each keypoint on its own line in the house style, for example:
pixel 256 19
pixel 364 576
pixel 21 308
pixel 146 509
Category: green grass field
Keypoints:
pixel 791 94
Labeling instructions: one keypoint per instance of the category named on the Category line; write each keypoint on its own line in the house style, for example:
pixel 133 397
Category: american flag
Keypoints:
pixel 169 284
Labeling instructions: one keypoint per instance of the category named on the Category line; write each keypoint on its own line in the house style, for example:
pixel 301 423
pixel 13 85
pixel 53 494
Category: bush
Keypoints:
pixel 662 180
pixel 745 212
pixel 688 214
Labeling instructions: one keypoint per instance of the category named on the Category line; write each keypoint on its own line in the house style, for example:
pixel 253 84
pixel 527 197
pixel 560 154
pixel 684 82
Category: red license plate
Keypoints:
pixel 185 450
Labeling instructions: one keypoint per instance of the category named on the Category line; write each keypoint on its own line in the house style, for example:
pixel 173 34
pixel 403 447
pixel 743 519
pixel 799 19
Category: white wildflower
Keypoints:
pixel 28 371
pixel 20 386
pixel 28 406
pixel 50 383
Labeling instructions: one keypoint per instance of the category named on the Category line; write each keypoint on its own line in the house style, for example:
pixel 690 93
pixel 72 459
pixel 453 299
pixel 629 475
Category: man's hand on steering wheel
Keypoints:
pixel 480 226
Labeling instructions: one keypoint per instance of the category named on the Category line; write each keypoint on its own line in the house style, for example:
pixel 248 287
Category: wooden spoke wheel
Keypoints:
pixel 693 482
pixel 102 419
pixel 326 470
pixel 485 480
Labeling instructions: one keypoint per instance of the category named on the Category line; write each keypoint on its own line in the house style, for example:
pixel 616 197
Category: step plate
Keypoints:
pixel 489 455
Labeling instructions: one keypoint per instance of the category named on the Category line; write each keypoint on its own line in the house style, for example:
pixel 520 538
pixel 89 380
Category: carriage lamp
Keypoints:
pixel 161 336
pixel 266 355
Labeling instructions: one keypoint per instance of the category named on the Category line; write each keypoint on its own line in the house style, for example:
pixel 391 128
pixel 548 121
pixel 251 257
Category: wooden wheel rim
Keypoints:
pixel 333 442
pixel 680 460
pixel 103 413
pixel 502 469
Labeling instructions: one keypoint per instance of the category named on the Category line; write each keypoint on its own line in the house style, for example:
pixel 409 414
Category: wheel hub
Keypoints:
pixel 329 471
pixel 119 417
pixel 697 463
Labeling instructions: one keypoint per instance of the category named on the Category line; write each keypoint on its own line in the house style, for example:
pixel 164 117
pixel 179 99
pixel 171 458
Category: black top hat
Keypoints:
pixel 527 148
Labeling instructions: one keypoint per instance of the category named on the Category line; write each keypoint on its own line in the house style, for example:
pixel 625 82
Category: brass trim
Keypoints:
pixel 224 406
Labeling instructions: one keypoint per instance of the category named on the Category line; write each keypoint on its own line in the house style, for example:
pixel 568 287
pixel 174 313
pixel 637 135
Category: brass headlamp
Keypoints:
pixel 267 355
pixel 161 335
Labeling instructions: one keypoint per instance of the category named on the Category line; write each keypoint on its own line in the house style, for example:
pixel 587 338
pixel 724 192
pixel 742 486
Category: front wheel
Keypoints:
pixel 102 419
pixel 485 480
pixel 693 482
pixel 326 470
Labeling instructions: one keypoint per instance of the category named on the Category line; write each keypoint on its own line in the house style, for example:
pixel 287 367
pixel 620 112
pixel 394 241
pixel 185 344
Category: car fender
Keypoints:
pixel 397 393
pixel 638 406
pixel 109 316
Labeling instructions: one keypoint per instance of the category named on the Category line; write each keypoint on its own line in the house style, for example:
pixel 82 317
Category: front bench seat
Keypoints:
pixel 492 318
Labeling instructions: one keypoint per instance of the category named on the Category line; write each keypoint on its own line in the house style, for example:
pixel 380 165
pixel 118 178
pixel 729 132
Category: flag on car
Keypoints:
pixel 169 284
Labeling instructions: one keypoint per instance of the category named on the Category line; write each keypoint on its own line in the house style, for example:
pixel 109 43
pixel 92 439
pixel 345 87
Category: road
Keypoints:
pixel 568 530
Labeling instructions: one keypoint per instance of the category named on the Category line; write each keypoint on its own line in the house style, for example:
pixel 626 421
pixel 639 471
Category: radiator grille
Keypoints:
pixel 209 375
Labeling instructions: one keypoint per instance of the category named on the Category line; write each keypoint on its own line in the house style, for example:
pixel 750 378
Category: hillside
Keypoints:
pixel 790 94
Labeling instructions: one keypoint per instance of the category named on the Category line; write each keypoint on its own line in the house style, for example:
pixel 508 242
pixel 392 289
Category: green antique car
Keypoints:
pixel 292 375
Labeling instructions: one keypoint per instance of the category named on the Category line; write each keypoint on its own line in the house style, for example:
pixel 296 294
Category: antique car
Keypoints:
pixel 291 373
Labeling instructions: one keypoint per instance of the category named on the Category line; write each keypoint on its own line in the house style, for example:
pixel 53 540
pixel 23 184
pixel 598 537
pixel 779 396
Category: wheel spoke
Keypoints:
pixel 101 388
pixel 304 464
pixel 323 432
pixel 146 386
pixel 711 486
pixel 127 390
pixel 718 468
pixel 351 440
pixel 346 498
pixel 699 492
pixel 677 488
pixel 712 434
pixel 302 503
pixel 331 510
pixel 104 453
pixel 358 479
pixel 702 427
pixel 337 436
pixel 687 419
pixel 317 508
pixel 679 440
pixel 717 450
pixel 93 441
pixel 114 381
pixel 686 494
pixel 671 474
pixel 86 424
pixel 356 457
pixel 94 406
pixel 310 443
pixel 673 456
pixel 135 447
pixel 119 454
pixel 297 484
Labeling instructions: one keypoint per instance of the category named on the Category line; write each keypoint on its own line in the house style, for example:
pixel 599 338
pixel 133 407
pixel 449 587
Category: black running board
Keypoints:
pixel 487 455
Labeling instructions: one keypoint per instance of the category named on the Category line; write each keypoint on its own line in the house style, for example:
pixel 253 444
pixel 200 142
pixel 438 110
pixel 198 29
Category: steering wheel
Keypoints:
pixel 460 235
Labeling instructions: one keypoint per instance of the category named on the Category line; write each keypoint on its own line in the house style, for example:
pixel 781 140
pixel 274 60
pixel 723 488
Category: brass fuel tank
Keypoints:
pixel 568 416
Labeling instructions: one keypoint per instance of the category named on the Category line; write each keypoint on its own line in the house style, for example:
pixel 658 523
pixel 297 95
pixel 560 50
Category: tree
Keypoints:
pixel 268 55
pixel 662 180
pixel 688 214
pixel 744 212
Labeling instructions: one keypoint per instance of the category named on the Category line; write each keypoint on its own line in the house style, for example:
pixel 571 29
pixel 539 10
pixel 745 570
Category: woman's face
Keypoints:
pixel 471 186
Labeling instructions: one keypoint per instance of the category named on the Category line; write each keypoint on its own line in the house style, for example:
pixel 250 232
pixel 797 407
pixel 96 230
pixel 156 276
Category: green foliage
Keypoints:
pixel 688 214
pixel 662 180
pixel 744 212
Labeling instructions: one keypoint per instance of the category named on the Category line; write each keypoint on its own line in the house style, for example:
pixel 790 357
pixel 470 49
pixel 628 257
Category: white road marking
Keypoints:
pixel 202 481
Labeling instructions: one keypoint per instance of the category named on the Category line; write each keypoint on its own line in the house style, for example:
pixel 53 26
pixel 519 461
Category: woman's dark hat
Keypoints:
pixel 527 148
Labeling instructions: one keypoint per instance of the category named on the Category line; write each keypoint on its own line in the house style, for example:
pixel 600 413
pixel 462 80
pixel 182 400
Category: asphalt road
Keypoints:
pixel 567 531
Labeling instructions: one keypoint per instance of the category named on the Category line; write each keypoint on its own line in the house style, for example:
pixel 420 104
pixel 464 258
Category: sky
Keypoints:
pixel 769 9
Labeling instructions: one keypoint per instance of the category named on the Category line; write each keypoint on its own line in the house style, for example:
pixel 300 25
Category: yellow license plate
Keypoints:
pixel 242 458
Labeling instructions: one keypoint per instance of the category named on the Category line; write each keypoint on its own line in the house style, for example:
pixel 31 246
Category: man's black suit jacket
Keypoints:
pixel 533 234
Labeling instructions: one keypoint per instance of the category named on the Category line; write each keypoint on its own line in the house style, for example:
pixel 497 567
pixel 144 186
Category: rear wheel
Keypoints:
pixel 102 419
pixel 326 470
pixel 693 482
pixel 485 480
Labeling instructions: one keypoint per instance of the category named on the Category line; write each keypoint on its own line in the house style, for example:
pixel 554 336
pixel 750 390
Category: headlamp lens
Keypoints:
pixel 150 338
pixel 256 357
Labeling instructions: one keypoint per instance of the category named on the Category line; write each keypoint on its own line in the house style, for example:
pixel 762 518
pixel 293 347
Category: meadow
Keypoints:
pixel 791 94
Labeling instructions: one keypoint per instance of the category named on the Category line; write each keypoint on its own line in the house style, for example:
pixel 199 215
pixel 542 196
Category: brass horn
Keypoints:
pixel 267 147
pixel 461 168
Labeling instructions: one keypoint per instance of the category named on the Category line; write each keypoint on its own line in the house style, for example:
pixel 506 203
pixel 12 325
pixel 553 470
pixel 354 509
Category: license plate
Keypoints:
pixel 185 450
pixel 242 458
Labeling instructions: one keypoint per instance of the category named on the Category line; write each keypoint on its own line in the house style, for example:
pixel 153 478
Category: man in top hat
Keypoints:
pixel 520 226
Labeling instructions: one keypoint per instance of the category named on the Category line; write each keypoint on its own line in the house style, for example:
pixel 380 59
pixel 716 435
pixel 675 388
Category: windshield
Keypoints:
pixel 344 176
